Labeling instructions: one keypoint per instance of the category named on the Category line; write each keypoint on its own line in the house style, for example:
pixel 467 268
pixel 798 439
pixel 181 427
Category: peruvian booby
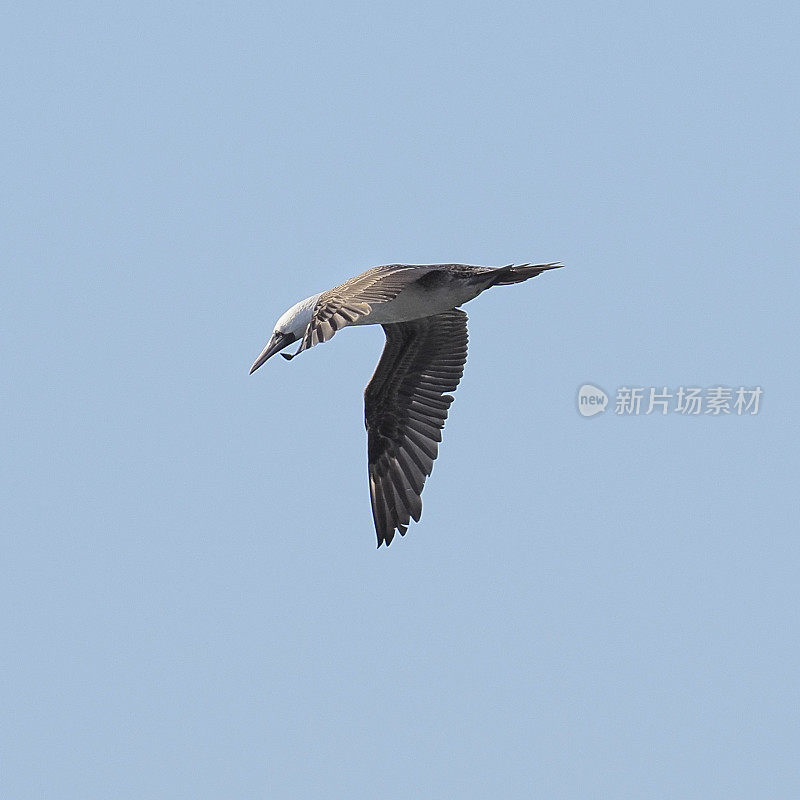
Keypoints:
pixel 406 400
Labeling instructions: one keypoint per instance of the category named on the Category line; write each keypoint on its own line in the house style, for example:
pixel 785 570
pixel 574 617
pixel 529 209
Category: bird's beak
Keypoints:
pixel 276 343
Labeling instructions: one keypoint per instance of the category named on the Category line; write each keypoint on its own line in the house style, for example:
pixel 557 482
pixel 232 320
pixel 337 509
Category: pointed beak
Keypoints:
pixel 276 343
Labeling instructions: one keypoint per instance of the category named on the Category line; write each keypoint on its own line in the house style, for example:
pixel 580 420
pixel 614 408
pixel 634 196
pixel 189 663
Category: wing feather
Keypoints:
pixel 406 406
pixel 345 304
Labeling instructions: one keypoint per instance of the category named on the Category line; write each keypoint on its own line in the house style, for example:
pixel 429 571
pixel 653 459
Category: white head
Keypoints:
pixel 296 319
pixel 289 328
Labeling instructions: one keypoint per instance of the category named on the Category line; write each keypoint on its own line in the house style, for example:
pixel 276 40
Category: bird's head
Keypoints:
pixel 289 328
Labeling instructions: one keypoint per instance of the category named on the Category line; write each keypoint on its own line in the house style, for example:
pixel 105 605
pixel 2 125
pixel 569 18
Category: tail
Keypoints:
pixel 521 272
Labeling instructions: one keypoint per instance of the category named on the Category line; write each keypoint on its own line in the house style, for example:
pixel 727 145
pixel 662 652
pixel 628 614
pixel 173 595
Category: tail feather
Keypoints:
pixel 521 272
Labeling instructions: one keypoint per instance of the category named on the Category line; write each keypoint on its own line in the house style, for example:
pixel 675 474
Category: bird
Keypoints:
pixel 406 401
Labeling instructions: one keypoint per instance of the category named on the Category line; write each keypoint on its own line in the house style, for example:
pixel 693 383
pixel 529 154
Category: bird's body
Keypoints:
pixel 405 402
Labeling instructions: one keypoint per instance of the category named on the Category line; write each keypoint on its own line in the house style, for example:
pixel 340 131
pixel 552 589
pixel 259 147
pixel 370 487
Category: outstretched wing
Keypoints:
pixel 344 304
pixel 405 409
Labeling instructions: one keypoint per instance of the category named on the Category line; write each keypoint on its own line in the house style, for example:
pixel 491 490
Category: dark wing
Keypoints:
pixel 344 304
pixel 405 409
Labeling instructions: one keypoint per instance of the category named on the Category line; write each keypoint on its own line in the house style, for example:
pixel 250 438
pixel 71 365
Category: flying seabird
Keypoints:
pixel 405 402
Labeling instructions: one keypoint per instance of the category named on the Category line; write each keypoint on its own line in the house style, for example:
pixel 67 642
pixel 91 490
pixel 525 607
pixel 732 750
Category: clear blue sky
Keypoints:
pixel 193 604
